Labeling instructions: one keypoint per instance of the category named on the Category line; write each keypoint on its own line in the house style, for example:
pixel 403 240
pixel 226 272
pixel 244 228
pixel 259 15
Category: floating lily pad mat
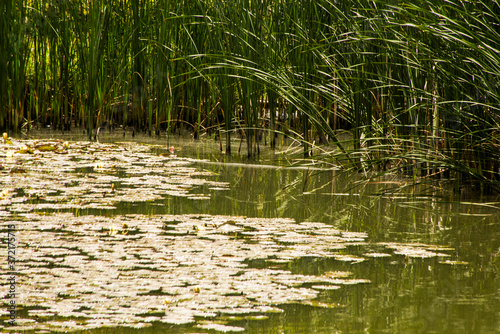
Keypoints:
pixel 84 175
pixel 131 270
pixel 78 272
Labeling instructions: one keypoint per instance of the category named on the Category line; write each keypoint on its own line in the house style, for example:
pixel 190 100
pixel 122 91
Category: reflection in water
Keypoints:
pixel 409 292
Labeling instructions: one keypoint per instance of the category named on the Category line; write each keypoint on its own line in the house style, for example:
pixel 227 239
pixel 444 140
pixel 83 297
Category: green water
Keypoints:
pixel 457 291
pixel 418 296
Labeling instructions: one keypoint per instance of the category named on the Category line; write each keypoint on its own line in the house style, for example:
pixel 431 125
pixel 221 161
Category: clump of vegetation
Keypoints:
pixel 416 83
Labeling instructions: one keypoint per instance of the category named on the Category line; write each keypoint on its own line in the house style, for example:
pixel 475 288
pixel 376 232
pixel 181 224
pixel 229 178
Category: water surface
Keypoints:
pixel 122 237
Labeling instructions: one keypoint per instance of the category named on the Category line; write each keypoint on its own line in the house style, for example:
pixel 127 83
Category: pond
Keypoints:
pixel 157 236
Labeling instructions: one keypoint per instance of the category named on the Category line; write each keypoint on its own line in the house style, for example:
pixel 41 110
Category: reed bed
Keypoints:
pixel 416 83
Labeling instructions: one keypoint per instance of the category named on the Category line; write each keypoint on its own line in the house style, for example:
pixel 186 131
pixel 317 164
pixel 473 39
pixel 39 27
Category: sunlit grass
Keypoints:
pixel 415 83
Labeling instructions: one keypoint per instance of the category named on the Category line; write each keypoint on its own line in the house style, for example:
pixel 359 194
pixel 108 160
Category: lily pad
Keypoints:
pixel 130 270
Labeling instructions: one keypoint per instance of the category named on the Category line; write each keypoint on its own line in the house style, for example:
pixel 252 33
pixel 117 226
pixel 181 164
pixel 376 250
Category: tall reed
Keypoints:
pixel 415 83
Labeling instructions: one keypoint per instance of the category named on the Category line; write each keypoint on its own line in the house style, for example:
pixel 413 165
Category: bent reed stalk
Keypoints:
pixel 415 83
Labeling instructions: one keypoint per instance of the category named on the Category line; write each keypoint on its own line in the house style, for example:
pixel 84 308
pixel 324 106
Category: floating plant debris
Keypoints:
pixel 221 328
pixel 454 262
pixel 132 270
pixel 97 176
pixel 325 287
pixel 417 250
pixel 377 255
pixel 93 271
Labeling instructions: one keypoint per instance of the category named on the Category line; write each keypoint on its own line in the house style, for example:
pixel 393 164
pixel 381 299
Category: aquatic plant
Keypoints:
pixel 110 263
pixel 415 83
